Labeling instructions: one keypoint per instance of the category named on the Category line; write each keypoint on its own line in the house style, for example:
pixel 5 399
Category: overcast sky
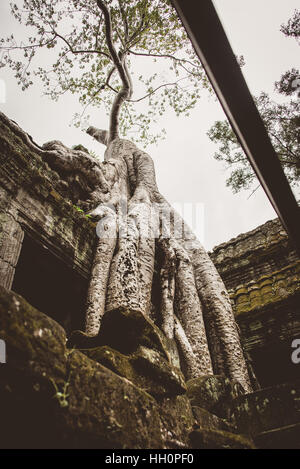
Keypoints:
pixel 186 170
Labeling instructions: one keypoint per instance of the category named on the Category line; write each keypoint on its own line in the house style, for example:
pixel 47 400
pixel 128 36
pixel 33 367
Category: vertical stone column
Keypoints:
pixel 11 238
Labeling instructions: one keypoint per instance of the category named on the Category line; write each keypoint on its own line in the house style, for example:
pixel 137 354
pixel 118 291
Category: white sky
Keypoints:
pixel 186 170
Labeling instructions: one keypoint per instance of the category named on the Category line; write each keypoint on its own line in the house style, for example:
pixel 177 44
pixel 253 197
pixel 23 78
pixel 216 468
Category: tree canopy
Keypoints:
pixel 282 122
pixel 95 47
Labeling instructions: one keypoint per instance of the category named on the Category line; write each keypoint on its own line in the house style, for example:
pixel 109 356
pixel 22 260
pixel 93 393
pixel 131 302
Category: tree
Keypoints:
pixel 95 47
pixel 282 122
pixel 147 260
pixel 292 28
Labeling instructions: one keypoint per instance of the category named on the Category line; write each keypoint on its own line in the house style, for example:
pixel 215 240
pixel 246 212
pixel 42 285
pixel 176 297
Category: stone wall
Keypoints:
pixel 30 202
pixel 262 273
pixel 31 206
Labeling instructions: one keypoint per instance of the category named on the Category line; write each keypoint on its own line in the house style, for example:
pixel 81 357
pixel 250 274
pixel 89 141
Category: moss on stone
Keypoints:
pixel 208 421
pixel 102 409
pixel 33 340
pixel 125 330
pixel 219 439
pixel 108 410
pixel 267 290
pixel 145 368
pixel 178 420
pixel 214 393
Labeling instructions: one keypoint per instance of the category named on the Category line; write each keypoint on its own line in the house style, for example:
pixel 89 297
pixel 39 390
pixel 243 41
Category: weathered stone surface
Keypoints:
pixel 125 330
pixel 261 270
pixel 213 393
pixel 280 438
pixel 45 182
pixel 267 409
pixel 267 337
pixel 111 359
pixel 216 439
pixel 250 255
pixel 36 386
pixel 267 290
pixel 34 342
pixel 208 421
pixel 52 397
pixel 34 196
pixel 148 362
pixel 108 411
pixel 178 420
pixel 145 368
pixel 133 334
pixel 36 357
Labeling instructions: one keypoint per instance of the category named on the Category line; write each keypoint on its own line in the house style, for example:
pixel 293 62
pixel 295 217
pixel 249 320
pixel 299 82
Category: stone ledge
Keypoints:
pixel 214 394
pixel 280 438
pixel 267 409
pixel 270 235
pixel 52 397
pixel 217 439
pixel 145 368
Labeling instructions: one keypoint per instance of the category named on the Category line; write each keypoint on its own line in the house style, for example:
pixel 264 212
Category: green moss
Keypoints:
pixel 145 368
pixel 213 393
pixel 70 400
pixel 118 414
pixel 32 337
pixel 219 439
pixel 269 289
pixel 113 360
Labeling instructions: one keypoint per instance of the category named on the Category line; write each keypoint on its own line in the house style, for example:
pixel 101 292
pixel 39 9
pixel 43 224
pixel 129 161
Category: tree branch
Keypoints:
pixel 97 33
pixel 167 56
pixel 88 51
pixel 98 91
pixel 283 145
pixel 125 23
pixel 119 61
pixel 154 91
pixel 254 190
pixel 29 46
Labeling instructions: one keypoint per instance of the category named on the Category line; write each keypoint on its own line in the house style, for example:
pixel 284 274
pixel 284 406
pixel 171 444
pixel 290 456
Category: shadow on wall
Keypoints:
pixel 50 285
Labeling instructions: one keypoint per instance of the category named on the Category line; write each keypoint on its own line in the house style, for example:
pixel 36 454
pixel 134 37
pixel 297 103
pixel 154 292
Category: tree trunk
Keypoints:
pixel 195 309
pixel 139 232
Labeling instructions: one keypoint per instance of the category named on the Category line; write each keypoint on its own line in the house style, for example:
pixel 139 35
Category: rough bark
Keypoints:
pixel 96 297
pixel 121 193
pixel 195 307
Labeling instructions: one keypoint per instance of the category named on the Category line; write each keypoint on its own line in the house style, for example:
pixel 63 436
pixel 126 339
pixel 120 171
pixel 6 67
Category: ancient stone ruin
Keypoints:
pixel 127 340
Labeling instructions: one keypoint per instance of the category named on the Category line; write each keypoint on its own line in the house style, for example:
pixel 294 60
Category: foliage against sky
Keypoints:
pixel 80 61
pixel 282 122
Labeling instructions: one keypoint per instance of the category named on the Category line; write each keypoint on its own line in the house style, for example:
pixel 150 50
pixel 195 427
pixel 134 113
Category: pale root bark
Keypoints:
pixel 184 302
pixel 96 297
pixel 223 334
pixel 190 361
pixel 195 308
pixel 189 312
pixel 194 291
pixel 167 286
